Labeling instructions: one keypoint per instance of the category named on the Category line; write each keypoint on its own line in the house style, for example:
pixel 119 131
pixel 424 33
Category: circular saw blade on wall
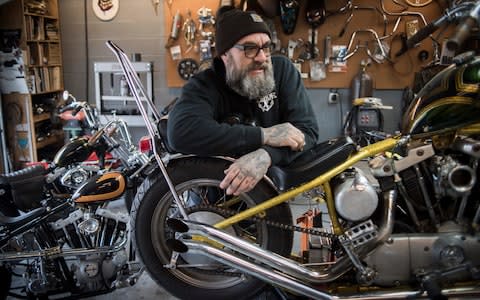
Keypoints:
pixel 105 10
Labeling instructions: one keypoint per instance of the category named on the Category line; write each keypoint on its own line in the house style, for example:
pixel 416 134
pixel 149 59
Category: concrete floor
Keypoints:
pixel 144 289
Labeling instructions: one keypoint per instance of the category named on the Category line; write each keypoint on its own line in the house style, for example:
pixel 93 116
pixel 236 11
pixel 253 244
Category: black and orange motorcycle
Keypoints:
pixel 64 227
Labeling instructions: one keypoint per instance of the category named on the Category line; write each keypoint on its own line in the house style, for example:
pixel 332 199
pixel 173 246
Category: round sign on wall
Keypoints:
pixel 105 10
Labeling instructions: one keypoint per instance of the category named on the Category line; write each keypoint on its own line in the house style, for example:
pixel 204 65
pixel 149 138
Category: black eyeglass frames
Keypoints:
pixel 252 50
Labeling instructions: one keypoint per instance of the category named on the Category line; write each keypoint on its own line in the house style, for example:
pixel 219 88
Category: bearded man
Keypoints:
pixel 249 105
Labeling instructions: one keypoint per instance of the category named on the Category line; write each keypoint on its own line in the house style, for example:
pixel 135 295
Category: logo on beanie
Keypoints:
pixel 266 102
pixel 256 18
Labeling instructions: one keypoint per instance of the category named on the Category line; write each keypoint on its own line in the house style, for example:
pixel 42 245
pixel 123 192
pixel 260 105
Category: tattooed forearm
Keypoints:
pixel 254 164
pixel 246 172
pixel 284 135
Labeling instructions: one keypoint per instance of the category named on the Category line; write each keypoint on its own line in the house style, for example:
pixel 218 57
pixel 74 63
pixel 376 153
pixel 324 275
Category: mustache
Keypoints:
pixel 258 66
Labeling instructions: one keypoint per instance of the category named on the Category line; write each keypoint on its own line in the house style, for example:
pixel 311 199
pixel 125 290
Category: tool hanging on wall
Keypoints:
pixel 315 15
pixel 351 8
pixel 380 54
pixel 187 67
pixel 176 27
pixel 289 10
pixel 205 17
pixel 189 29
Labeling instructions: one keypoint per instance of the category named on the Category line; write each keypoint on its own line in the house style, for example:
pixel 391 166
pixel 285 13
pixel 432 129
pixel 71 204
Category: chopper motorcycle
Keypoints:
pixel 58 229
pixel 69 248
pixel 412 232
pixel 109 147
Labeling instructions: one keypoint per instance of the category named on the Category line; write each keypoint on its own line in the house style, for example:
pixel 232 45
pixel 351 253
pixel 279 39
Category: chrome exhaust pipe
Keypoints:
pixel 283 264
pixel 463 291
pixel 255 270
pixel 468 146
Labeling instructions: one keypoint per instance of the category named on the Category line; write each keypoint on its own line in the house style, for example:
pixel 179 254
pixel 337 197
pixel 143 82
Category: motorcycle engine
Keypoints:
pixel 355 197
pixel 76 176
pixel 103 229
pixel 437 215
pixel 453 177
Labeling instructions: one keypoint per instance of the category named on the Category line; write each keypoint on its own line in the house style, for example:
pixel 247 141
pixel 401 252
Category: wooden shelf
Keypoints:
pixel 41 117
pixel 40 15
pixel 42 59
pixel 47 65
pixel 44 41
pixel 48 92
pixel 53 139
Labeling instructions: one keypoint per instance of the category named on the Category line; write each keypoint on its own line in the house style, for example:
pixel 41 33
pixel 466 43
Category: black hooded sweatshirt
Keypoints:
pixel 201 121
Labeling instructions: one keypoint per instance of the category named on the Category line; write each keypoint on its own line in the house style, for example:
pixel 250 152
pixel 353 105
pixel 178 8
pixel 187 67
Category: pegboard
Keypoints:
pixel 368 18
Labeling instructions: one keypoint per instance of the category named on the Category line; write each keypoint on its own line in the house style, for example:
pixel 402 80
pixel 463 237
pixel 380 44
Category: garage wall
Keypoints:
pixel 137 29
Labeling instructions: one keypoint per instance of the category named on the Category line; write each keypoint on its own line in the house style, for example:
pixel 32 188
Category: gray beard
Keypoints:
pixel 251 87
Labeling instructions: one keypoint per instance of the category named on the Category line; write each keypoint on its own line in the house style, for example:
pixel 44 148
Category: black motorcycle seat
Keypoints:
pixel 23 174
pixel 24 187
pixel 312 163
pixel 22 219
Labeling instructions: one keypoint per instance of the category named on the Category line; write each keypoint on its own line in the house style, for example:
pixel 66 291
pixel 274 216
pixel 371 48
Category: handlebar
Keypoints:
pixel 469 10
pixel 68 107
pixel 464 29
pixel 422 34
pixel 75 107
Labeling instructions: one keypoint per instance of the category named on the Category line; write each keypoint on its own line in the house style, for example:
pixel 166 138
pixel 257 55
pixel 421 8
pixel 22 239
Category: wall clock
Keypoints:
pixel 418 3
pixel 105 10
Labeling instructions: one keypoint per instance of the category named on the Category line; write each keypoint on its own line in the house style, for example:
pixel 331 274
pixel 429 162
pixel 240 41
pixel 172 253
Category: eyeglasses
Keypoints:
pixel 252 50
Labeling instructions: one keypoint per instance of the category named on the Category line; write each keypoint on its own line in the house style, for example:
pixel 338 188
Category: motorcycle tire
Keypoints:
pixel 198 178
pixel 5 282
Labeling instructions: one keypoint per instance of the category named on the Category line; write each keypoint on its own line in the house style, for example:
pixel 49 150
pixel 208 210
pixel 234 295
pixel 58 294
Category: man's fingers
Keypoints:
pixel 245 185
pixel 230 174
pixel 239 184
pixel 297 143
pixel 235 184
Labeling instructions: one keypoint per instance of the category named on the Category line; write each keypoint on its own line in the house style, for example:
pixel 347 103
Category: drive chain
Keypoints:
pixel 229 213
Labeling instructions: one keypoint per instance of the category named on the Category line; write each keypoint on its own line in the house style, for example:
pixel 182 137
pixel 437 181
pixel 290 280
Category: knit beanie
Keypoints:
pixel 232 24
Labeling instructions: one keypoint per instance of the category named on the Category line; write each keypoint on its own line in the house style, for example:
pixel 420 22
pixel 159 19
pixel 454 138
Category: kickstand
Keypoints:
pixel 433 288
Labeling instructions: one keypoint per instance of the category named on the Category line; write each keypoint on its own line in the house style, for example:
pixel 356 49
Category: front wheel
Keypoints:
pixel 197 183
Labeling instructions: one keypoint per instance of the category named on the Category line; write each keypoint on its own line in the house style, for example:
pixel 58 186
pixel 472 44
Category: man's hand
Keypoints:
pixel 246 172
pixel 284 135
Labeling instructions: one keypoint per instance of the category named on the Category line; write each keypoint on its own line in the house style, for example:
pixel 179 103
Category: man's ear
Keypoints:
pixel 224 57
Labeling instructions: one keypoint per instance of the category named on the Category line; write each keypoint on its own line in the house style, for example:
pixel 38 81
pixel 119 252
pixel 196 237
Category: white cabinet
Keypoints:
pixel 113 95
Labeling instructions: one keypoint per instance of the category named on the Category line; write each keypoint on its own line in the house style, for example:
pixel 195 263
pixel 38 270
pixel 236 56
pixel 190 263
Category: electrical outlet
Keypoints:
pixel 333 97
